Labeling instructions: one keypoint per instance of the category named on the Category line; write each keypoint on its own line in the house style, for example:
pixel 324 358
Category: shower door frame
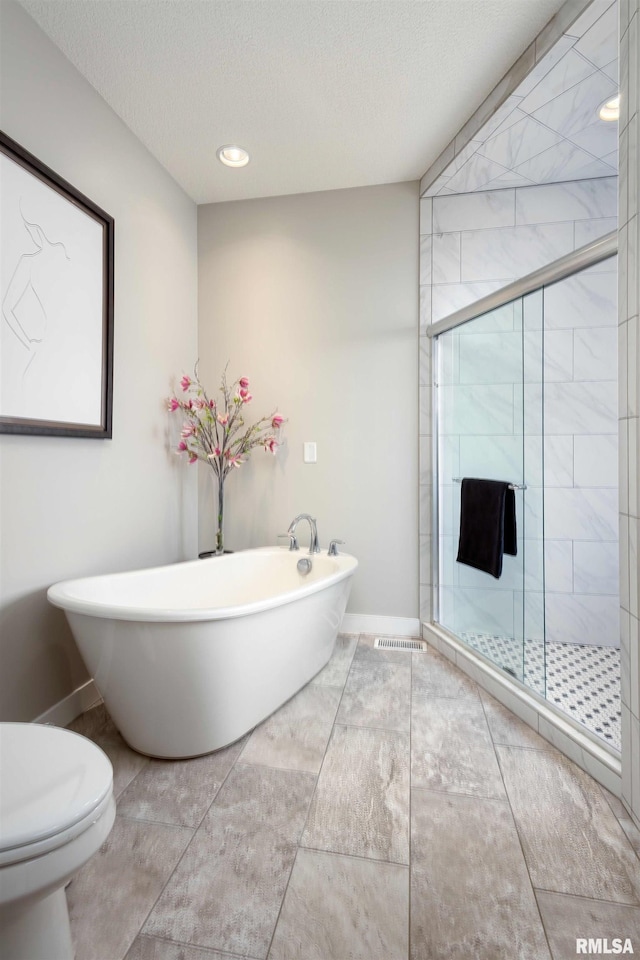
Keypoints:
pixel 587 256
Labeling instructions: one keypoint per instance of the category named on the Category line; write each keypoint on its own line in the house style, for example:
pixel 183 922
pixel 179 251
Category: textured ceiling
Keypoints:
pixel 549 130
pixel 323 94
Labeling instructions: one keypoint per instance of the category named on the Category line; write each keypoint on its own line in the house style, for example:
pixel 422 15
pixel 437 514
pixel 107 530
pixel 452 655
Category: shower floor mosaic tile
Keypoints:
pixel 391 810
pixel 583 680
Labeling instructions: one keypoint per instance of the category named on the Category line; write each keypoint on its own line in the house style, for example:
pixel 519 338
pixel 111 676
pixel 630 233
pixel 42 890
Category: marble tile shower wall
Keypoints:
pixel 629 403
pixel 472 245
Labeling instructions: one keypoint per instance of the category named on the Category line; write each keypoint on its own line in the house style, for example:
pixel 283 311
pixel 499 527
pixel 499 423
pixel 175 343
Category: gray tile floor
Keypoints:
pixel 390 811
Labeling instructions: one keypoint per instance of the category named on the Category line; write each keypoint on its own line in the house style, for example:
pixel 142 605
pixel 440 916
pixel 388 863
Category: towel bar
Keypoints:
pixel 512 486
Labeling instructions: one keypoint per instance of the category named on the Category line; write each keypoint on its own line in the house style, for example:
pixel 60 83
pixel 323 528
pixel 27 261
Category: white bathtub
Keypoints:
pixel 189 657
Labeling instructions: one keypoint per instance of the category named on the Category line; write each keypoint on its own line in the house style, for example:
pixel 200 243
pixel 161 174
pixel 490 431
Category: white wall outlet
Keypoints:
pixel 310 451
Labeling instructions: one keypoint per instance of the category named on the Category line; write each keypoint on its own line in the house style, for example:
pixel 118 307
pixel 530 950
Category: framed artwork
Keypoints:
pixel 56 297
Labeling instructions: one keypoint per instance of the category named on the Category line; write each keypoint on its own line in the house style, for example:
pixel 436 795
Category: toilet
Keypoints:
pixel 56 810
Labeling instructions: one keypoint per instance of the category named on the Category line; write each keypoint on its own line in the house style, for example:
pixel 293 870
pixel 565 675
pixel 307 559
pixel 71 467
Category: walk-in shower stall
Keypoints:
pixel 525 391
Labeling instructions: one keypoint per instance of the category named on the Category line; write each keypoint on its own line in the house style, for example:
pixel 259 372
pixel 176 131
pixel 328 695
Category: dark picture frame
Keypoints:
pixel 56 303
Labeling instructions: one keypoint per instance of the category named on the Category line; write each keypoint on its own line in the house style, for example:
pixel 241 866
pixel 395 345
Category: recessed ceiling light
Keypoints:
pixel 232 155
pixel 610 110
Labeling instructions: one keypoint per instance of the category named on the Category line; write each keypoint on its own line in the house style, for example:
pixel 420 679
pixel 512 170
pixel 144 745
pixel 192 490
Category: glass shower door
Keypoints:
pixel 526 393
pixel 481 433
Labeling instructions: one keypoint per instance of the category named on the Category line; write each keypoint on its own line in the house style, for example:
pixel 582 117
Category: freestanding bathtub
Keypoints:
pixel 189 657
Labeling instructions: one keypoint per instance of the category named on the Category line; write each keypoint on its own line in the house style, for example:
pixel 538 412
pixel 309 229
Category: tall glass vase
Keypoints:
pixel 220 517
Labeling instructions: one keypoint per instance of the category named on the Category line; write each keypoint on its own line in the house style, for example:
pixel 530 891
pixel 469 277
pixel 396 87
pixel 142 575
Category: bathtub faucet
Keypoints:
pixel 314 546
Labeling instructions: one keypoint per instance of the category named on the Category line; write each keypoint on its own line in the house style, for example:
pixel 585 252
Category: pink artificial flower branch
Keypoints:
pixel 213 431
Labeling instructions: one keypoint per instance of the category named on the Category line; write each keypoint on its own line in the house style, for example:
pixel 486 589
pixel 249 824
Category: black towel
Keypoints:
pixel 487 524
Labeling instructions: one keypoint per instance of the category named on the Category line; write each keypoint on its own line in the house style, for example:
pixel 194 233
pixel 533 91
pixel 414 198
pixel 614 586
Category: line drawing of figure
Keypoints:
pixel 23 308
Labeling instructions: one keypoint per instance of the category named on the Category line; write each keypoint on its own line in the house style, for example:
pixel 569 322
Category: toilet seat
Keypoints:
pixel 54 785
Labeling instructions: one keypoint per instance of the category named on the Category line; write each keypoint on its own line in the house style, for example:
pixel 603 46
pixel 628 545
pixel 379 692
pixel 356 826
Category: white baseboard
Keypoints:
pixel 387 626
pixel 66 710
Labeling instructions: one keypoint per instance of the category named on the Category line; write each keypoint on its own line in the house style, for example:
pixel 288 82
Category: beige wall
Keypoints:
pixel 70 507
pixel 314 298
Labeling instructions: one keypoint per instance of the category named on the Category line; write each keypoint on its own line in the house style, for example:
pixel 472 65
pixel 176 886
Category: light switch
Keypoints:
pixel 310 452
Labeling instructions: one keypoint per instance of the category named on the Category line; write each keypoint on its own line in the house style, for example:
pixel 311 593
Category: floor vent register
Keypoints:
pixel 389 643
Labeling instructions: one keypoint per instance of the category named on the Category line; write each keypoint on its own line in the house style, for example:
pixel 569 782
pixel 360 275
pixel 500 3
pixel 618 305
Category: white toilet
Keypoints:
pixel 56 810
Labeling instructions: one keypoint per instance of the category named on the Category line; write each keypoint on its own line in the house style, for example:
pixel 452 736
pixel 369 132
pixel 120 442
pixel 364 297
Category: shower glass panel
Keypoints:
pixel 489 384
pixel 533 598
pixel 526 392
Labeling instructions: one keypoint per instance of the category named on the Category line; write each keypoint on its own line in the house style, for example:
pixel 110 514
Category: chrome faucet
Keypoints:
pixel 293 541
pixel 314 546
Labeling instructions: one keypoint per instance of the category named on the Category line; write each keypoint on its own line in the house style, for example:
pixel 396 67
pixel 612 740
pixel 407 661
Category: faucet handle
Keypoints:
pixel 333 548
pixel 293 543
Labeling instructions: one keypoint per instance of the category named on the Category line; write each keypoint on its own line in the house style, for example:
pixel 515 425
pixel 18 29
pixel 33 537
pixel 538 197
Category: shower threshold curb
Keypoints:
pixel 585 749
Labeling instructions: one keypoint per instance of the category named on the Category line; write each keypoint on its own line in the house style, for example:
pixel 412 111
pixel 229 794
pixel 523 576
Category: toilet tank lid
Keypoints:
pixel 50 779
